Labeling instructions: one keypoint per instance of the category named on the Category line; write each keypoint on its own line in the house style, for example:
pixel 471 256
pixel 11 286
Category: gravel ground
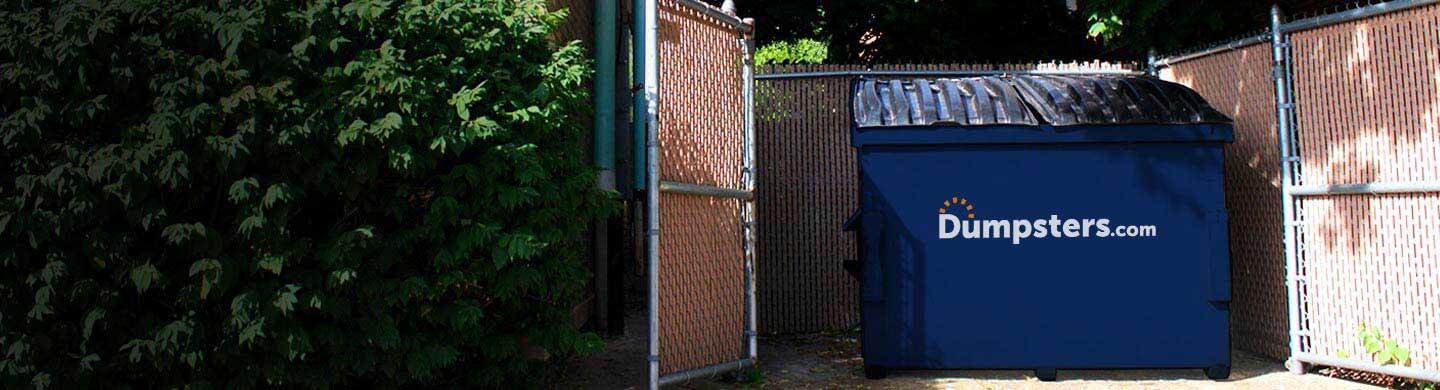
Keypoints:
pixel 832 361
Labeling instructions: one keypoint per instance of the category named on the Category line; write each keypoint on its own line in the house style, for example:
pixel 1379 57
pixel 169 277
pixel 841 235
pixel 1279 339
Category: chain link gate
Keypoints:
pixel 1365 185
pixel 700 192
pixel 1354 189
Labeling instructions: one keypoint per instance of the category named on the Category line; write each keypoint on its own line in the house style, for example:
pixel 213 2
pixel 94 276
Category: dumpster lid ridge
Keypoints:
pixel 1028 100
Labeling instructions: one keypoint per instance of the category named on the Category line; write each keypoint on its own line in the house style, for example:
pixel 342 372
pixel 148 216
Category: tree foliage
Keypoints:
pixel 908 31
pixel 1134 26
pixel 932 31
pixel 242 194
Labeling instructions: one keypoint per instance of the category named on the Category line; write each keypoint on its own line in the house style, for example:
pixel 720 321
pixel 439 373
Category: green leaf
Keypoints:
pixel 1097 29
pixel 251 332
pixel 463 111
pixel 137 347
pixel 334 44
pixel 209 271
pixel 50 274
pixel 143 276
pixel 391 121
pixel 40 380
pixel 285 299
pixel 272 263
pixel 91 318
pixel 500 257
pixel 342 276
pixel 275 193
pixel 87 363
pixel 240 189
pixel 1372 346
pixel 298 50
pixel 42 306
pixel 181 232
pixel 1391 348
pixel 251 223
pixel 350 133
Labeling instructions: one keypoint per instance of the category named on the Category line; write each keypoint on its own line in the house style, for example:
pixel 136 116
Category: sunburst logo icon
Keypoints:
pixel 955 203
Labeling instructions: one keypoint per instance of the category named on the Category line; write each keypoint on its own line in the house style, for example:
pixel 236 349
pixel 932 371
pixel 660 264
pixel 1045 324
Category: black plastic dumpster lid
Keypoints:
pixel 1059 100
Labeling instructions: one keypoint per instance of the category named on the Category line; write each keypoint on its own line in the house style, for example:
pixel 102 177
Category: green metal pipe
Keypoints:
pixel 604 140
pixel 604 93
pixel 637 105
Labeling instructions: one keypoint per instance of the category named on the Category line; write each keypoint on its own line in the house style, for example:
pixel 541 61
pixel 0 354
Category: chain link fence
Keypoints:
pixel 1357 135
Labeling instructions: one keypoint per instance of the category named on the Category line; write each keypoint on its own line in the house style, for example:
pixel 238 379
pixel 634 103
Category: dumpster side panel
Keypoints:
pixel 1131 269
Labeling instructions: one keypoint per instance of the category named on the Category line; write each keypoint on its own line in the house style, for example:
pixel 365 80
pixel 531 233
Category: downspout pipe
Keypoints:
pixel 603 95
pixel 637 104
pixel 649 30
pixel 1280 72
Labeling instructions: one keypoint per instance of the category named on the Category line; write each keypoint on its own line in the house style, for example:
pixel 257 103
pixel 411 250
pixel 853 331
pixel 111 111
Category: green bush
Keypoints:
pixel 802 51
pixel 236 194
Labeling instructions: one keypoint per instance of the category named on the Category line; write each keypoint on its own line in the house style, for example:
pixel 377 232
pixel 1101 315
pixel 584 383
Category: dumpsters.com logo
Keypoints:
pixel 957 219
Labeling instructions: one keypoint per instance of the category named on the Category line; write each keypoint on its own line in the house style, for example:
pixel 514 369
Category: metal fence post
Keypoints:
pixel 1283 106
pixel 652 186
pixel 747 213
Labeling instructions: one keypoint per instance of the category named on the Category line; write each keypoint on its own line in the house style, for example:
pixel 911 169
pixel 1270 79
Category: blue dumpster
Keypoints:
pixel 1040 222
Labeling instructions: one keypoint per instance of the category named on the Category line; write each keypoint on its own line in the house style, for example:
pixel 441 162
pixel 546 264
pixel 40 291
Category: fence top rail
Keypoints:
pixel 722 16
pixel 956 73
pixel 1352 14
pixel 1217 49
pixel 1303 24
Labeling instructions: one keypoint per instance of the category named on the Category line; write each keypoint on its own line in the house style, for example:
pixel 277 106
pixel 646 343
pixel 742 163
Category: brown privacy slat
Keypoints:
pixel 701 129
pixel 1367 97
pixel 1238 84
pixel 1369 112
pixel 796 194
pixel 702 282
pixel 806 189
